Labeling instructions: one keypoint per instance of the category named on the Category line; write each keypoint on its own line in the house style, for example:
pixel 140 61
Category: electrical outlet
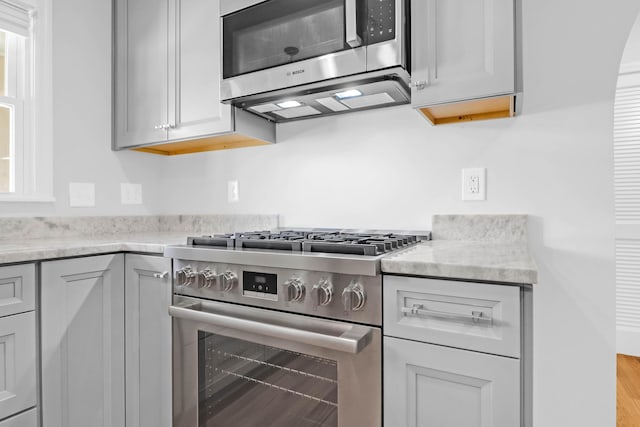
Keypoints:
pixel 474 184
pixel 130 194
pixel 82 194
pixel 233 194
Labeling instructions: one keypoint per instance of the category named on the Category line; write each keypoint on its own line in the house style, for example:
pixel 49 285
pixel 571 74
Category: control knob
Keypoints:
pixel 207 278
pixel 293 290
pixel 185 276
pixel 229 281
pixel 322 293
pixel 353 297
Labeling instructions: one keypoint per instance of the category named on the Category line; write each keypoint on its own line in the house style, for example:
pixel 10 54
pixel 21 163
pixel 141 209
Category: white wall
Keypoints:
pixel 631 56
pixel 82 120
pixel 389 168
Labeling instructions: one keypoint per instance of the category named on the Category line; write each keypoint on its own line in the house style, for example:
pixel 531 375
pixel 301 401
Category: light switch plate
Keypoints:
pixel 474 184
pixel 130 194
pixel 82 194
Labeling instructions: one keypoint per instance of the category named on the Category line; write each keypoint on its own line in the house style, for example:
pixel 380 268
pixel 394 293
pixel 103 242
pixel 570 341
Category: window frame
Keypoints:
pixel 32 138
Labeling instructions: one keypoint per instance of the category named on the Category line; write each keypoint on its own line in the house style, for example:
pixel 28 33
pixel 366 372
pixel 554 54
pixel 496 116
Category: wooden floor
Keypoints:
pixel 628 391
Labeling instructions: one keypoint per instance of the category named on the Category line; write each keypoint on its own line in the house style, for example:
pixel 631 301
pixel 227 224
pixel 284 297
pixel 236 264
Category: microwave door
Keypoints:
pixel 277 44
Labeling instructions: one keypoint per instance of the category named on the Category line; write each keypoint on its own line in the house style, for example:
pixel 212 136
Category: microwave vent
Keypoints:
pixel 357 93
pixel 332 104
pixel 368 100
pixel 292 113
pixel 265 108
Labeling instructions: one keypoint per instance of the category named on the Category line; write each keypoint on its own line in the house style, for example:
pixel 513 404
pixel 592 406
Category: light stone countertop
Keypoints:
pixel 474 247
pixel 63 237
pixel 508 262
pixel 14 251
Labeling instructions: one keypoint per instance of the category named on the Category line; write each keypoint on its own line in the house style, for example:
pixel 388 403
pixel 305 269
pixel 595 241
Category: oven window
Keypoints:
pixel 278 32
pixel 251 385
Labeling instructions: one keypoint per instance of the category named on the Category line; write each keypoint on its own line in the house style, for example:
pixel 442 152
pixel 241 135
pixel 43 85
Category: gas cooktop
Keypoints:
pixel 320 241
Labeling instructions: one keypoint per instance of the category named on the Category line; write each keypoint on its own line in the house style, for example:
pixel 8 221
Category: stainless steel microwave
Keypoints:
pixel 276 51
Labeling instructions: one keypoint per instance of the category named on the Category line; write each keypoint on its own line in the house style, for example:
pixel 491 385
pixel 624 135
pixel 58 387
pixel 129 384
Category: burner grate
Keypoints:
pixel 332 242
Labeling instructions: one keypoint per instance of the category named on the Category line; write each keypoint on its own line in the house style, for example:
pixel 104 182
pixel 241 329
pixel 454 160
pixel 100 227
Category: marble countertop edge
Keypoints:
pixel 481 261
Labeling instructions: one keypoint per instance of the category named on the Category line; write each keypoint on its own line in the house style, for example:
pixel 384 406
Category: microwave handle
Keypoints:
pixel 352 340
pixel 351 23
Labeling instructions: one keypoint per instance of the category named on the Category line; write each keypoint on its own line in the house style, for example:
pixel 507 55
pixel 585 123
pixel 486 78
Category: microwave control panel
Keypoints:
pixel 381 21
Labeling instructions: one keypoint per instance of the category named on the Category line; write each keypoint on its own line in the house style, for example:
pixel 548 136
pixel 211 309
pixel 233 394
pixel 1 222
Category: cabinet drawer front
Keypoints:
pixel 17 363
pixel 26 419
pixel 17 289
pixel 430 385
pixel 474 316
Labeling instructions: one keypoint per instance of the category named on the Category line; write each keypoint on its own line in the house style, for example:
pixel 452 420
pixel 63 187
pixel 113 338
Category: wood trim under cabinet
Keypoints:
pixel 203 144
pixel 479 109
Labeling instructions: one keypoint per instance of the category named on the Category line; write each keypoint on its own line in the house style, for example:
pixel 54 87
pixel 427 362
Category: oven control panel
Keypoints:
pixel 260 285
pixel 324 294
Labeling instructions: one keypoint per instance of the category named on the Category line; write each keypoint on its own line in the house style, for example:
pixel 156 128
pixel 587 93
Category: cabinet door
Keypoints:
pixel 467 315
pixel 17 363
pixel 141 72
pixel 429 385
pixel 17 289
pixel 461 50
pixel 195 70
pixel 25 419
pixel 148 341
pixel 83 342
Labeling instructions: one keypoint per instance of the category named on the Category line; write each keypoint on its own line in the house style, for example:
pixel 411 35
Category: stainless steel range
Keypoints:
pixel 279 329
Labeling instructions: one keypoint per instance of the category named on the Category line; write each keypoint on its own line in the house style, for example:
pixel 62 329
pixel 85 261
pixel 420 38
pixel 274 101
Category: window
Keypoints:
pixel 11 111
pixel 5 123
pixel 25 107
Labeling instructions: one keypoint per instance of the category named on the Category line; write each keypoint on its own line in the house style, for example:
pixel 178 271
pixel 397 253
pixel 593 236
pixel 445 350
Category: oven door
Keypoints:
pixel 241 366
pixel 275 44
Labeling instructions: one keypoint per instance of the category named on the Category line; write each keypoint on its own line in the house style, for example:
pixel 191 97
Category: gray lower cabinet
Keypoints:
pixel 24 419
pixel 148 341
pixel 17 289
pixel 18 364
pixel 456 353
pixel 82 318
pixel 429 385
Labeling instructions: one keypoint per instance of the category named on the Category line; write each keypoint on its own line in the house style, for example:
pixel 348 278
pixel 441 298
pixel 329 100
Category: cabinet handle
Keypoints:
pixel 351 24
pixel 162 275
pixel 164 126
pixel 419 85
pixel 419 310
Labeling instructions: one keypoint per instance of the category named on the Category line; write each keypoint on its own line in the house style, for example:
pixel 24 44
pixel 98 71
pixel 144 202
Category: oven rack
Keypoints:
pixel 276 387
pixel 271 365
pixel 316 359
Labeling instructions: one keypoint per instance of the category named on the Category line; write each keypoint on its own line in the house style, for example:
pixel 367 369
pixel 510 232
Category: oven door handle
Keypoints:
pixel 351 338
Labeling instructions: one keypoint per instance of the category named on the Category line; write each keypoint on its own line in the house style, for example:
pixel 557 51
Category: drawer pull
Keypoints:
pixel 419 310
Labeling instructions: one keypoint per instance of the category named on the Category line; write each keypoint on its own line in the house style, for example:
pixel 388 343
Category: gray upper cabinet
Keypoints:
pixel 194 77
pixel 168 71
pixel 142 85
pixel 82 334
pixel 463 51
pixel 167 81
